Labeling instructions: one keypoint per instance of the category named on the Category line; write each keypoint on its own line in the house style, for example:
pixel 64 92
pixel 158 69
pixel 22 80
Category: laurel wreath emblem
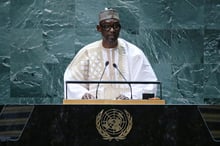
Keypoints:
pixel 113 124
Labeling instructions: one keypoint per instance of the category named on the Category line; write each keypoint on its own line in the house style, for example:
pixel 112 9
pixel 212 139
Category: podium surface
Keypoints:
pixel 115 102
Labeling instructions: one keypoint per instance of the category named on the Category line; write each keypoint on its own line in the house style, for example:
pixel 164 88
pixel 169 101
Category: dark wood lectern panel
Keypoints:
pixel 111 125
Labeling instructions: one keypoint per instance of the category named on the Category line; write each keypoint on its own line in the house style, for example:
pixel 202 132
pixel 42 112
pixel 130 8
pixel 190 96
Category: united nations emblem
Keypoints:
pixel 113 124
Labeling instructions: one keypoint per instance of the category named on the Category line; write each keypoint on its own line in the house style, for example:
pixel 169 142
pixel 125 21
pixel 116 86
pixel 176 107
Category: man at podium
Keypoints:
pixel 109 59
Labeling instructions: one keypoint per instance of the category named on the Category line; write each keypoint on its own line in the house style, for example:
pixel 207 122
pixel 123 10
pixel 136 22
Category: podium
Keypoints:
pixel 111 123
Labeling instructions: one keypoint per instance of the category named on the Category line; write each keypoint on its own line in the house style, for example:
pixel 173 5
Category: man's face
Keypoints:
pixel 109 29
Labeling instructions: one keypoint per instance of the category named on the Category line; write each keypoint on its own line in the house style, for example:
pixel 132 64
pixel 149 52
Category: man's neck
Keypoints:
pixel 110 44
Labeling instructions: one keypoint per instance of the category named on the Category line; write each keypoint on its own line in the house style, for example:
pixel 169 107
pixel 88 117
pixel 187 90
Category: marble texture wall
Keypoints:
pixel 39 38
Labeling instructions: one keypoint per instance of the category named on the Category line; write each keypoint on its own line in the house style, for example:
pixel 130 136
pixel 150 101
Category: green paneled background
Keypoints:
pixel 38 38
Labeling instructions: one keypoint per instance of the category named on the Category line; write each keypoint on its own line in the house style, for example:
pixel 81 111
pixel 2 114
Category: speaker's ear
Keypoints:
pixel 98 28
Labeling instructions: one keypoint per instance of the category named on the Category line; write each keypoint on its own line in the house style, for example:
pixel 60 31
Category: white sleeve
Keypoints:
pixel 72 90
pixel 141 70
pixel 144 72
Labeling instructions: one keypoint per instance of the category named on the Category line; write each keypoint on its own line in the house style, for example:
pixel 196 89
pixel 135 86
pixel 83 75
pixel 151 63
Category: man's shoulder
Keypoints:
pixel 130 46
pixel 90 47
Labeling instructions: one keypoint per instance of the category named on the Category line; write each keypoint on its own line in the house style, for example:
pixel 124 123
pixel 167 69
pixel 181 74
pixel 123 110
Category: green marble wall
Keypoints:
pixel 40 37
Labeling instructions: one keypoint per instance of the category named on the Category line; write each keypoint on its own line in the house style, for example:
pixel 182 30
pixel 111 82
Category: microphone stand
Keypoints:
pixel 106 64
pixel 115 66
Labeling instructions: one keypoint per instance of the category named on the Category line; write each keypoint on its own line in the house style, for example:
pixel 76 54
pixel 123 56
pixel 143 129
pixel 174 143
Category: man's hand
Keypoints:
pixel 88 96
pixel 122 97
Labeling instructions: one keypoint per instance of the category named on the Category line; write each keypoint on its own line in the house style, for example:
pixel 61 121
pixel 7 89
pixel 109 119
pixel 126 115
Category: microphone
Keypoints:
pixel 106 64
pixel 115 66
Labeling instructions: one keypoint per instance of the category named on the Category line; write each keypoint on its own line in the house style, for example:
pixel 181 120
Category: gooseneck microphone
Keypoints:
pixel 106 64
pixel 115 66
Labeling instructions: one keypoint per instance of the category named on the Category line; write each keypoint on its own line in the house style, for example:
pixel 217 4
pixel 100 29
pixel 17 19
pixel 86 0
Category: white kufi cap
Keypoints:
pixel 108 14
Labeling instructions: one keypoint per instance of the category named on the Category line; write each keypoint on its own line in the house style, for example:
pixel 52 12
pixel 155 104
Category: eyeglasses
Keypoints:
pixel 107 27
